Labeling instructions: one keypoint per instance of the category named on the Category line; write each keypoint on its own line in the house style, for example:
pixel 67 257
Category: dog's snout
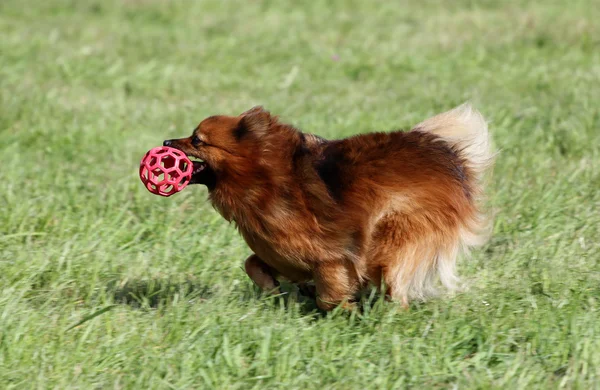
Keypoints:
pixel 167 142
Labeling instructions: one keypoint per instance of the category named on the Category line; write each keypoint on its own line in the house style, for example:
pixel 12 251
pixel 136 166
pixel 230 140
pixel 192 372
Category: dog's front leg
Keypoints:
pixel 262 274
pixel 336 284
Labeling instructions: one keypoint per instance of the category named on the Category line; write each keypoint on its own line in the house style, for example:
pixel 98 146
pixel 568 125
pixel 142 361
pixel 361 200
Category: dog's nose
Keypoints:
pixel 167 142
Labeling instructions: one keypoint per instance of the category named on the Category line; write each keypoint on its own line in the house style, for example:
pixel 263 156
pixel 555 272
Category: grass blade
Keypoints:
pixel 91 316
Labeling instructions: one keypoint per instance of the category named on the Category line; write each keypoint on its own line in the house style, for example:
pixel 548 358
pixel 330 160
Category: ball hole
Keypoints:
pixel 168 162
pixel 184 180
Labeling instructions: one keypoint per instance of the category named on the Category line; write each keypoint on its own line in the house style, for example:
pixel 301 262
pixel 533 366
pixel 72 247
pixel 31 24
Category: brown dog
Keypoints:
pixel 391 209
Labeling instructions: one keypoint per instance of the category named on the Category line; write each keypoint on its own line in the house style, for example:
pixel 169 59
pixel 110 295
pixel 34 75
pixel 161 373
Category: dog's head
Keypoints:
pixel 225 145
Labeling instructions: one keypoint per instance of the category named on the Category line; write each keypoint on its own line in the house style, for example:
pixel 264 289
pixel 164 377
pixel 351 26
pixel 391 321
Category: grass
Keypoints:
pixel 104 285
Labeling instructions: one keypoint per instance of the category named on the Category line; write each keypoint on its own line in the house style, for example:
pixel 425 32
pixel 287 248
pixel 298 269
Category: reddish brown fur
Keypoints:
pixel 380 207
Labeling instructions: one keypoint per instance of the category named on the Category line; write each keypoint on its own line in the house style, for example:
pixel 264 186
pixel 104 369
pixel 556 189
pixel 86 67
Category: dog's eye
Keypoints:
pixel 196 141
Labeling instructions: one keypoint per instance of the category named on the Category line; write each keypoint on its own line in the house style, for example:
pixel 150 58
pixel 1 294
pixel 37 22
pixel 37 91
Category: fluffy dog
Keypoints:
pixel 390 209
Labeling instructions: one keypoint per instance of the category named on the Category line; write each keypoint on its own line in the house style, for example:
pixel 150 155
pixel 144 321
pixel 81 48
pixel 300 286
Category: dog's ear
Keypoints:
pixel 256 120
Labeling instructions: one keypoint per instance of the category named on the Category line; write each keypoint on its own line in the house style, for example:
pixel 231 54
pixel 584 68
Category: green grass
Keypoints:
pixel 103 285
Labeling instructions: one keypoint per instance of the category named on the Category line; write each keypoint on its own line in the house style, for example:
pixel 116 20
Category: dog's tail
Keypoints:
pixel 466 131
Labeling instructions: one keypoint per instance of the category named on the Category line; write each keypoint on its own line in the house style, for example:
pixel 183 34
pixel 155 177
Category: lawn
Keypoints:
pixel 104 285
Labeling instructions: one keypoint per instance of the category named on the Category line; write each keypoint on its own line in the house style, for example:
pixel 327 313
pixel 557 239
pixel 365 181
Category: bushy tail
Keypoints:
pixel 466 131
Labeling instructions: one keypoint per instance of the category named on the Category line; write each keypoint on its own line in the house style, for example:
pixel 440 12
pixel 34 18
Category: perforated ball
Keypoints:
pixel 165 171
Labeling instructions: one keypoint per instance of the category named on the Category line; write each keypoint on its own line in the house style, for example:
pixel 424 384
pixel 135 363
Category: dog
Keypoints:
pixel 388 209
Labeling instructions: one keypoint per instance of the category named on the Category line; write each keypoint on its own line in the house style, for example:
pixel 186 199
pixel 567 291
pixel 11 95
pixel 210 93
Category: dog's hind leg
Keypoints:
pixel 406 262
pixel 261 274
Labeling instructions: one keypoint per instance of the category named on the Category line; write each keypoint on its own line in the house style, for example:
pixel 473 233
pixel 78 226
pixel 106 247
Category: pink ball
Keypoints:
pixel 165 171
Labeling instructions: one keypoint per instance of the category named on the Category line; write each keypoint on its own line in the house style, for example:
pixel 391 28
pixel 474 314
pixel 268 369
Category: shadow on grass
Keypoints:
pixel 291 298
pixel 304 300
pixel 154 293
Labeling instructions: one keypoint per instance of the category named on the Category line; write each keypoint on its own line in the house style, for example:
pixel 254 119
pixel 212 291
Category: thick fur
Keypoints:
pixel 390 209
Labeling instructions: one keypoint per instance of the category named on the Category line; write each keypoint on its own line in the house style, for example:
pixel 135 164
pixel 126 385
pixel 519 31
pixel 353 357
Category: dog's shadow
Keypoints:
pixel 305 299
pixel 153 293
pixel 305 302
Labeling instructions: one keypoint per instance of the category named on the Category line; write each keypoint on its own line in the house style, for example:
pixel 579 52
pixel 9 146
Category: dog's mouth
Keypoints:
pixel 202 173
pixel 199 166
